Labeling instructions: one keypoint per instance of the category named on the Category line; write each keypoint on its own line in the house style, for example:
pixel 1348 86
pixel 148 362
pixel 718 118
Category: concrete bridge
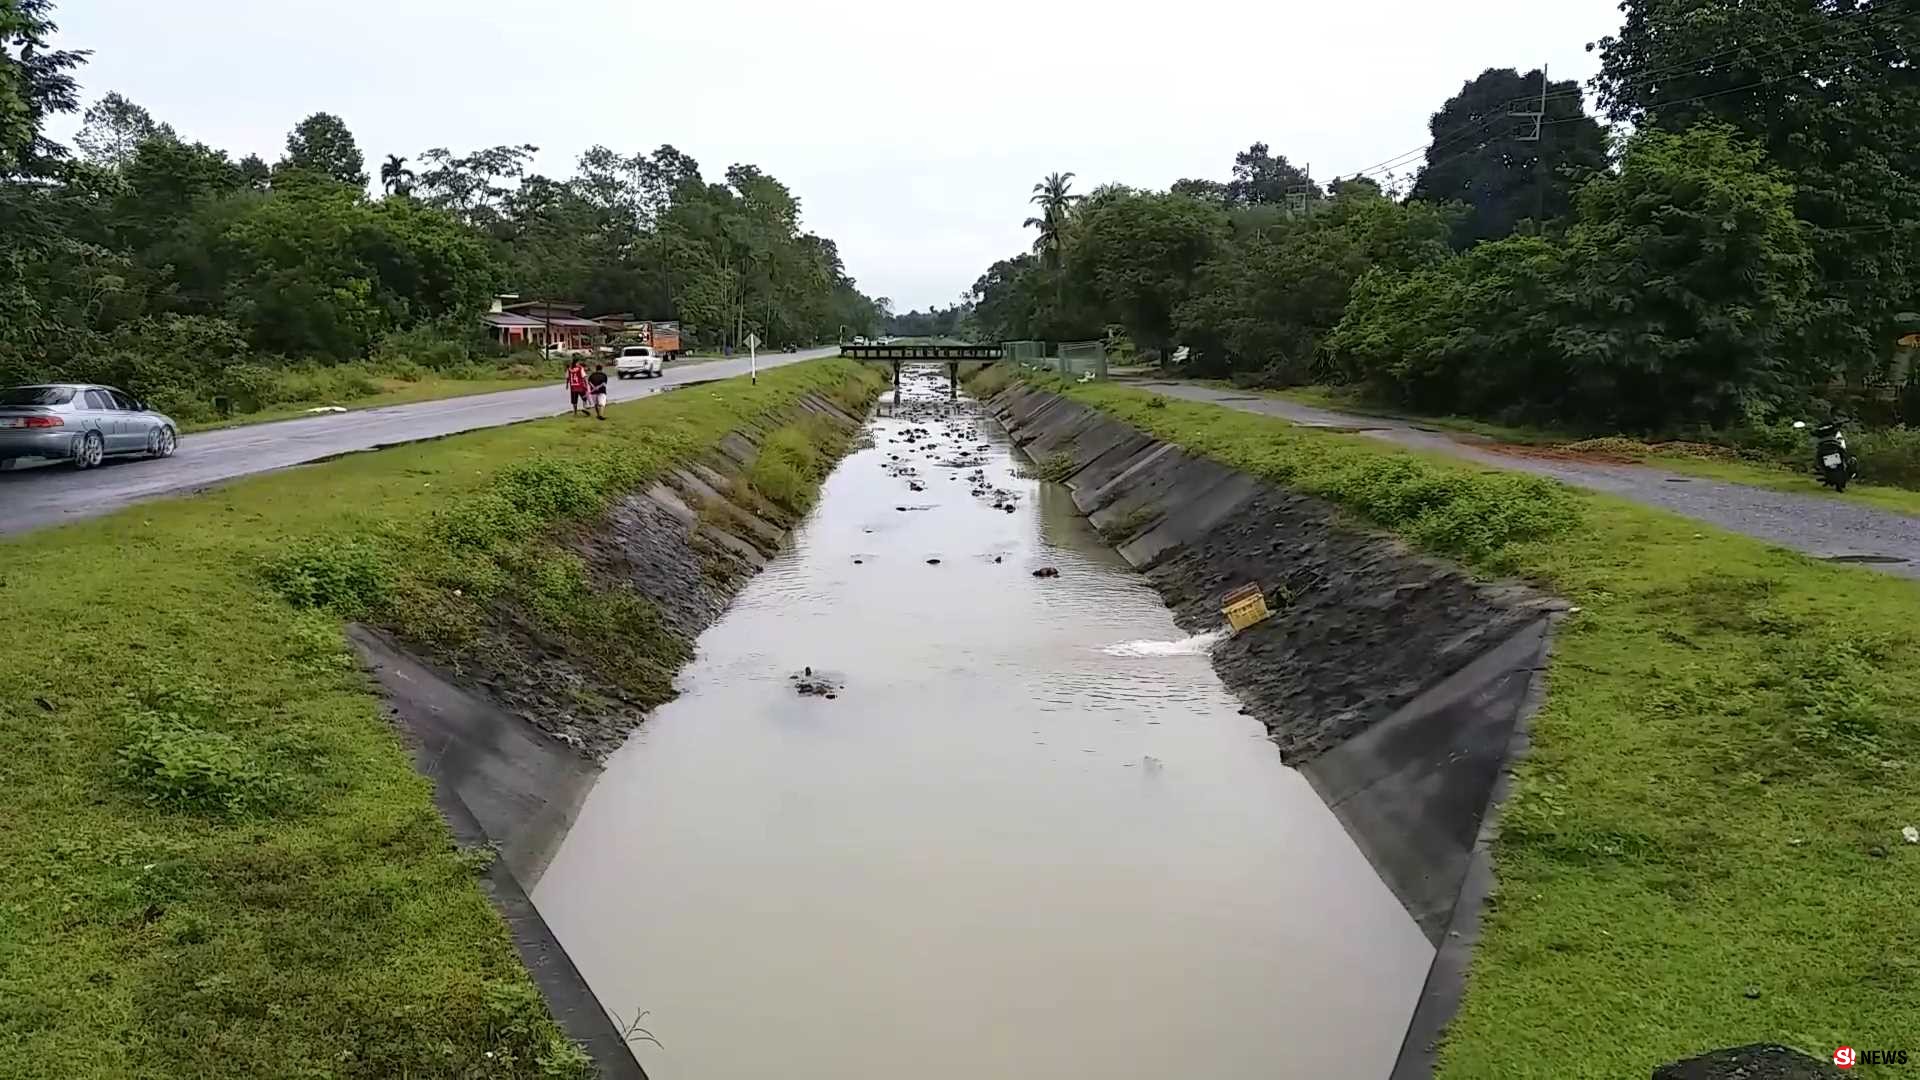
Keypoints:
pixel 951 355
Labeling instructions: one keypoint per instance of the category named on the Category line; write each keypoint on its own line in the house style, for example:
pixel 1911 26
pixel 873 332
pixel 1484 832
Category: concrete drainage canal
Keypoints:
pixel 954 790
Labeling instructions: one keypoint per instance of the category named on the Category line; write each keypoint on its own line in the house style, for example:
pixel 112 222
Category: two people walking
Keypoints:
pixel 585 390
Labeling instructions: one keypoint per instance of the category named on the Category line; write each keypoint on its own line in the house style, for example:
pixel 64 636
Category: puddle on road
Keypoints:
pixel 1867 560
pixel 1032 837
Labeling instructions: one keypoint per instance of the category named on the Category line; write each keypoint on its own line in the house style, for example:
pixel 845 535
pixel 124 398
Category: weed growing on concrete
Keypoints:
pixel 631 1032
pixel 1054 468
pixel 787 469
pixel 1131 524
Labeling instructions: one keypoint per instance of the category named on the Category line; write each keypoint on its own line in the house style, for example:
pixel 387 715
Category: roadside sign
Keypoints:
pixel 753 341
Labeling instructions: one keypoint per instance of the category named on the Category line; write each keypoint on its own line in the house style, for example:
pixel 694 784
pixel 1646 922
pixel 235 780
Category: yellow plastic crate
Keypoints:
pixel 1244 606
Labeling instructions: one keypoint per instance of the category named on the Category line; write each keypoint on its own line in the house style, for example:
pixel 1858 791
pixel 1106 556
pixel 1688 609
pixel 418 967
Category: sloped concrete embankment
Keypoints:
pixel 511 730
pixel 1397 684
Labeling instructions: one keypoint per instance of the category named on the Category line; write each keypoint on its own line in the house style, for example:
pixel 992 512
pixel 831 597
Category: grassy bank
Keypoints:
pixel 220 862
pixel 1776 459
pixel 362 389
pixel 1704 847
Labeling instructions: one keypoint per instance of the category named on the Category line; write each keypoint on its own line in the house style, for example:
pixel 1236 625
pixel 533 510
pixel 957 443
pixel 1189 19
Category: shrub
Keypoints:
pixel 348 577
pixel 1887 456
pixel 182 767
pixel 788 468
pixel 1053 468
pixel 549 487
pixel 438 345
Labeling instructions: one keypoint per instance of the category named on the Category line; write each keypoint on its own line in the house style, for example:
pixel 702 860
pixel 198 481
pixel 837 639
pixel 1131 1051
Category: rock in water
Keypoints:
pixel 1046 571
pixel 933 562
pixel 1760 1061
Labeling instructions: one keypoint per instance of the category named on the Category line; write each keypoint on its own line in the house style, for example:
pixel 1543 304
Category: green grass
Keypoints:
pixel 219 859
pixel 1713 801
pixel 1799 481
pixel 1752 470
pixel 381 391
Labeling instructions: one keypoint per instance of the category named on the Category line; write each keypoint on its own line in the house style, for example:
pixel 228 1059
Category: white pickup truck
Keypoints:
pixel 637 361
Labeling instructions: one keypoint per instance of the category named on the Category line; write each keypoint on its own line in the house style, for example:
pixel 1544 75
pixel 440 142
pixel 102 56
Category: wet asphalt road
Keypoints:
pixel 32 498
pixel 1826 528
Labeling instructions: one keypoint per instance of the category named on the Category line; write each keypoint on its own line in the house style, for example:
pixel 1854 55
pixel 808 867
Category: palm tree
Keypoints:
pixel 1053 197
pixel 395 176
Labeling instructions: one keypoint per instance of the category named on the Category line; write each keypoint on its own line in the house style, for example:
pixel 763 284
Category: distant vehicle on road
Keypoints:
pixel 637 361
pixel 562 352
pixel 662 337
pixel 84 423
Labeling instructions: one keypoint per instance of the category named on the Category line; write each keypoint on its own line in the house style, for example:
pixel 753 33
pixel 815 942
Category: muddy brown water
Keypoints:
pixel 1032 835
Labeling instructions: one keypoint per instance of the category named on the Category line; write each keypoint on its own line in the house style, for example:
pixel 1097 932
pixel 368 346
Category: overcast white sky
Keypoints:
pixel 912 133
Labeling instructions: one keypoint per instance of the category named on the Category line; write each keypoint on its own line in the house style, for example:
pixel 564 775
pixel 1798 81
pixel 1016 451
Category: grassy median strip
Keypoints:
pixel 219 860
pixel 1705 845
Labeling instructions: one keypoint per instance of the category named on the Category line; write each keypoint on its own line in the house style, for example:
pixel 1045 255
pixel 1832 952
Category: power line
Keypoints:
pixel 1690 66
pixel 1885 53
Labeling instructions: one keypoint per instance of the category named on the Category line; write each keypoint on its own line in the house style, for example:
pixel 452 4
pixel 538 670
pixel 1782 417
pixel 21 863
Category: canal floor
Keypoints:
pixel 1030 836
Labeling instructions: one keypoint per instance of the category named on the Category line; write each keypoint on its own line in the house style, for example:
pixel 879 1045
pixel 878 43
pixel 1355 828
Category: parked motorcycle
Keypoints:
pixel 1833 463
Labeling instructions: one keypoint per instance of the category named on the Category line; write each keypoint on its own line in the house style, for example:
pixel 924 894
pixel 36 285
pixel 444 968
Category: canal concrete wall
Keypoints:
pixel 1398 684
pixel 512 729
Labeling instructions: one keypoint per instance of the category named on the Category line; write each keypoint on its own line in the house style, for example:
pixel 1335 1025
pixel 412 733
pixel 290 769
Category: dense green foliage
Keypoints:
pixel 1484 156
pixel 1829 89
pixel 1750 253
pixel 1672 297
pixel 169 268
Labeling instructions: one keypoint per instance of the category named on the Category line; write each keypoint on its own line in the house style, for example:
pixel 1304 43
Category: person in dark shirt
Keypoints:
pixel 597 382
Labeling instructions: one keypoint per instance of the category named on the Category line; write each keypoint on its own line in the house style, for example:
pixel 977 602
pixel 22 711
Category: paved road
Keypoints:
pixel 32 498
pixel 1823 527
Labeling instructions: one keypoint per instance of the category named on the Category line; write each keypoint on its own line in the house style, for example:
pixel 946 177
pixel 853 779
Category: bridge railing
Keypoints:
pixel 923 353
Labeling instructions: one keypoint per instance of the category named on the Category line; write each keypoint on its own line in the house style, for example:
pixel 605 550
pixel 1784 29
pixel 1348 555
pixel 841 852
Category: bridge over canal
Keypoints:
pixel 951 355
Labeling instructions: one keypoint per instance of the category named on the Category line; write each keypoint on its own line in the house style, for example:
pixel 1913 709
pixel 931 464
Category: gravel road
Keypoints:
pixel 1824 528
pixel 32 498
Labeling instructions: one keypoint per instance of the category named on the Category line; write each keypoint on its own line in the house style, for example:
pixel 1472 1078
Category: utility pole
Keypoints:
pixel 1300 196
pixel 1539 116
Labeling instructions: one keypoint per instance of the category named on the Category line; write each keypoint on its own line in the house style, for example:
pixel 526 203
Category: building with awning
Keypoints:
pixel 542 322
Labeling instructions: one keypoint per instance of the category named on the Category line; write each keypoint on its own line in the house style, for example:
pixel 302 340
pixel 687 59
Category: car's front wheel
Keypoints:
pixel 91 452
pixel 164 443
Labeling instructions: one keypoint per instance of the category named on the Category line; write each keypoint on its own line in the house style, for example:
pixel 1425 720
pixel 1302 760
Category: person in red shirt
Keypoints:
pixel 577 386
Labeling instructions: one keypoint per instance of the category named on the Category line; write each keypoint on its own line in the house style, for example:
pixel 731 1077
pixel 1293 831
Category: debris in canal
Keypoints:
pixel 807 684
pixel 1046 571
pixel 933 562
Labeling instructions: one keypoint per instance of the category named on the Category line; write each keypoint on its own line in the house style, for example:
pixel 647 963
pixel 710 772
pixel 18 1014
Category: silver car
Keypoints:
pixel 84 423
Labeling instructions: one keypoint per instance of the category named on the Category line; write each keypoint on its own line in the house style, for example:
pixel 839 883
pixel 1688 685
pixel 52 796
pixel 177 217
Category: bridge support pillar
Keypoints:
pixel 953 381
pixel 896 383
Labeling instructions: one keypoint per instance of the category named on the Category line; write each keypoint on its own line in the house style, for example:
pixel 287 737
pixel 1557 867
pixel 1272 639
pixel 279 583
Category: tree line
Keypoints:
pixel 169 267
pixel 1734 236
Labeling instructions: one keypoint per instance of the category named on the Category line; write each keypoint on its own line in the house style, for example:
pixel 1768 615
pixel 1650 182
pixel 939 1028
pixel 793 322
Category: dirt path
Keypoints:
pixel 1821 527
